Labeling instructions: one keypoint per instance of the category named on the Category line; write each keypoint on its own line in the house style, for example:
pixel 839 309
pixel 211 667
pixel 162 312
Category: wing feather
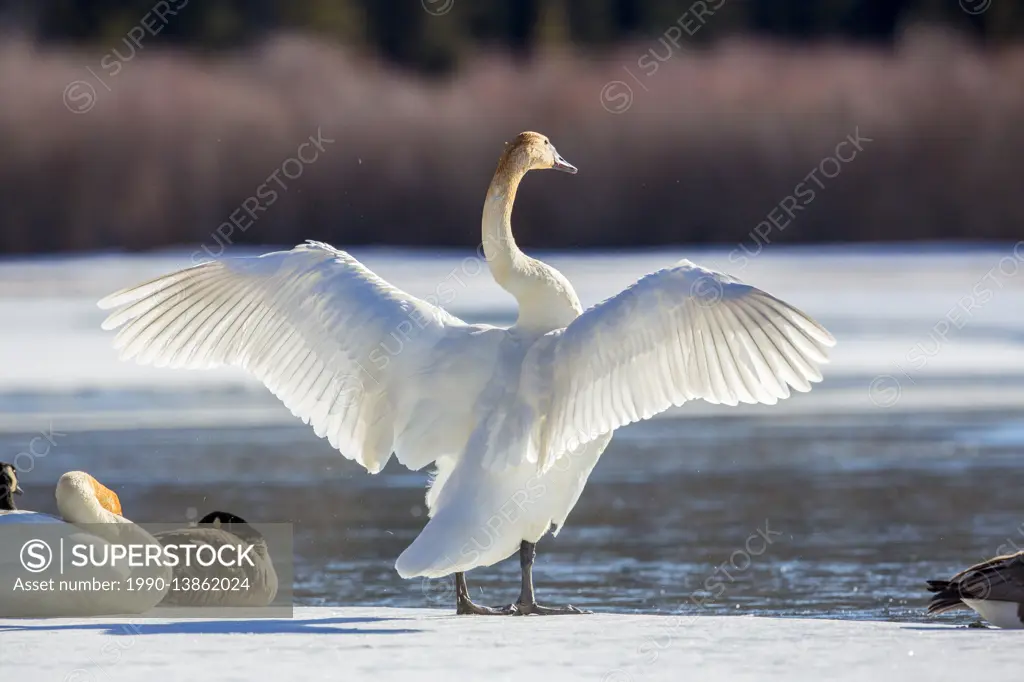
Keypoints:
pixel 680 333
pixel 306 322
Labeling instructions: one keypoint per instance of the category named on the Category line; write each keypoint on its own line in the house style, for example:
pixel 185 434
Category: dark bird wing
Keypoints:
pixel 998 579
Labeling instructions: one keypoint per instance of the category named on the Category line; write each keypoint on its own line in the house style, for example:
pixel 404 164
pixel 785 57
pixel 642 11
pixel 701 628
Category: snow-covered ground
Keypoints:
pixel 421 645
pixel 933 328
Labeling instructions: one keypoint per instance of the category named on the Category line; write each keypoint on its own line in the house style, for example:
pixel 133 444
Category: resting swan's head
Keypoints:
pixel 8 486
pixel 532 151
pixel 83 499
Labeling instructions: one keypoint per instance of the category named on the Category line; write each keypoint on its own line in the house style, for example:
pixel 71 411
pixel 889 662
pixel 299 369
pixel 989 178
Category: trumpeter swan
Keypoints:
pixel 240 583
pixel 993 588
pixel 91 516
pixel 513 419
pixel 80 499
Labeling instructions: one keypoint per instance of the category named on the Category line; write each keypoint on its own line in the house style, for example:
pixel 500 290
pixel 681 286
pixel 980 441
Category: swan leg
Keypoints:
pixel 527 603
pixel 465 607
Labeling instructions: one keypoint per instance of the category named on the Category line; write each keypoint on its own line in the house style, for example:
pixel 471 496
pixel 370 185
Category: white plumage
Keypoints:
pixel 313 324
pixel 90 518
pixel 514 419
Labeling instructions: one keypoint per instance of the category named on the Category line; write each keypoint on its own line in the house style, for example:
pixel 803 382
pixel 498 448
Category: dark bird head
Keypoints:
pixel 8 486
pixel 235 525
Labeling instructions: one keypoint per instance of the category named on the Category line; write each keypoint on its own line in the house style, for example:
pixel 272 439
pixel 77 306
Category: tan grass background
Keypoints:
pixel 713 144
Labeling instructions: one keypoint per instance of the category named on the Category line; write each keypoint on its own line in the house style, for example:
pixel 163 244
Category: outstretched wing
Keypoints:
pixel 678 334
pixel 310 323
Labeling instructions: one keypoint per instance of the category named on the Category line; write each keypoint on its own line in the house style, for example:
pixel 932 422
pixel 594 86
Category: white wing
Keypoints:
pixel 677 334
pixel 310 323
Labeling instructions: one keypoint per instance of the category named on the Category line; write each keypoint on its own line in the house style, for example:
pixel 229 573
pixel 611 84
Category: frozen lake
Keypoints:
pixel 906 463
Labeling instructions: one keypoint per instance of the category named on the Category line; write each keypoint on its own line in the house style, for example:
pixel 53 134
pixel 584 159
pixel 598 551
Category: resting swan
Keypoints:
pixel 81 499
pixel 993 588
pixel 246 585
pixel 514 419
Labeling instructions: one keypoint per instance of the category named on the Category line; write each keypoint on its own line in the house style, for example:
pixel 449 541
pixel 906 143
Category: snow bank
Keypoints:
pixel 419 644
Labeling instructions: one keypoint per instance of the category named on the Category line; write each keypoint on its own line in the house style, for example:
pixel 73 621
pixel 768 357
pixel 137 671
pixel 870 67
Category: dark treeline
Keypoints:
pixel 433 35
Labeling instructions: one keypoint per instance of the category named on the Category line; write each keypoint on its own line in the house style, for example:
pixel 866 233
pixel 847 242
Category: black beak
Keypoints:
pixel 18 490
pixel 563 165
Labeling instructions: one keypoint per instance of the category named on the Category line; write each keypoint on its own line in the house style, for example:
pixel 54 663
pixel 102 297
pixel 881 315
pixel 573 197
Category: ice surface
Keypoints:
pixel 419 644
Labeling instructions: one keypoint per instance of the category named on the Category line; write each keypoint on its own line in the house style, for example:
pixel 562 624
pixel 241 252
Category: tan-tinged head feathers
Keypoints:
pixel 107 498
pixel 530 151
pixel 79 496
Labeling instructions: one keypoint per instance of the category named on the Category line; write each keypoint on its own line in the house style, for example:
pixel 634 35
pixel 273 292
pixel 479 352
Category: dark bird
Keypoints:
pixel 993 588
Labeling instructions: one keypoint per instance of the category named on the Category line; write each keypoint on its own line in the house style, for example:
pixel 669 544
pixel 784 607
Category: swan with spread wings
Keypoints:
pixel 513 419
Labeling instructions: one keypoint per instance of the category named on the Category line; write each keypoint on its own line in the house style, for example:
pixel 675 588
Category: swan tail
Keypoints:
pixel 454 541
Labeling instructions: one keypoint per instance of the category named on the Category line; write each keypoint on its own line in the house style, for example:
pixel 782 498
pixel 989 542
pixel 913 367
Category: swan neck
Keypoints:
pixel 77 503
pixel 546 299
pixel 504 257
pixel 79 506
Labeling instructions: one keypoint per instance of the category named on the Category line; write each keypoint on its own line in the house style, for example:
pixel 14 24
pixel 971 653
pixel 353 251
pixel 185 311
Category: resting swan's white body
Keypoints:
pixel 514 419
pixel 90 516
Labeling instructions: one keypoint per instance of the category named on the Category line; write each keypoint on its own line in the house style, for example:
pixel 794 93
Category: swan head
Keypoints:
pixel 80 497
pixel 533 151
pixel 8 485
pixel 235 525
